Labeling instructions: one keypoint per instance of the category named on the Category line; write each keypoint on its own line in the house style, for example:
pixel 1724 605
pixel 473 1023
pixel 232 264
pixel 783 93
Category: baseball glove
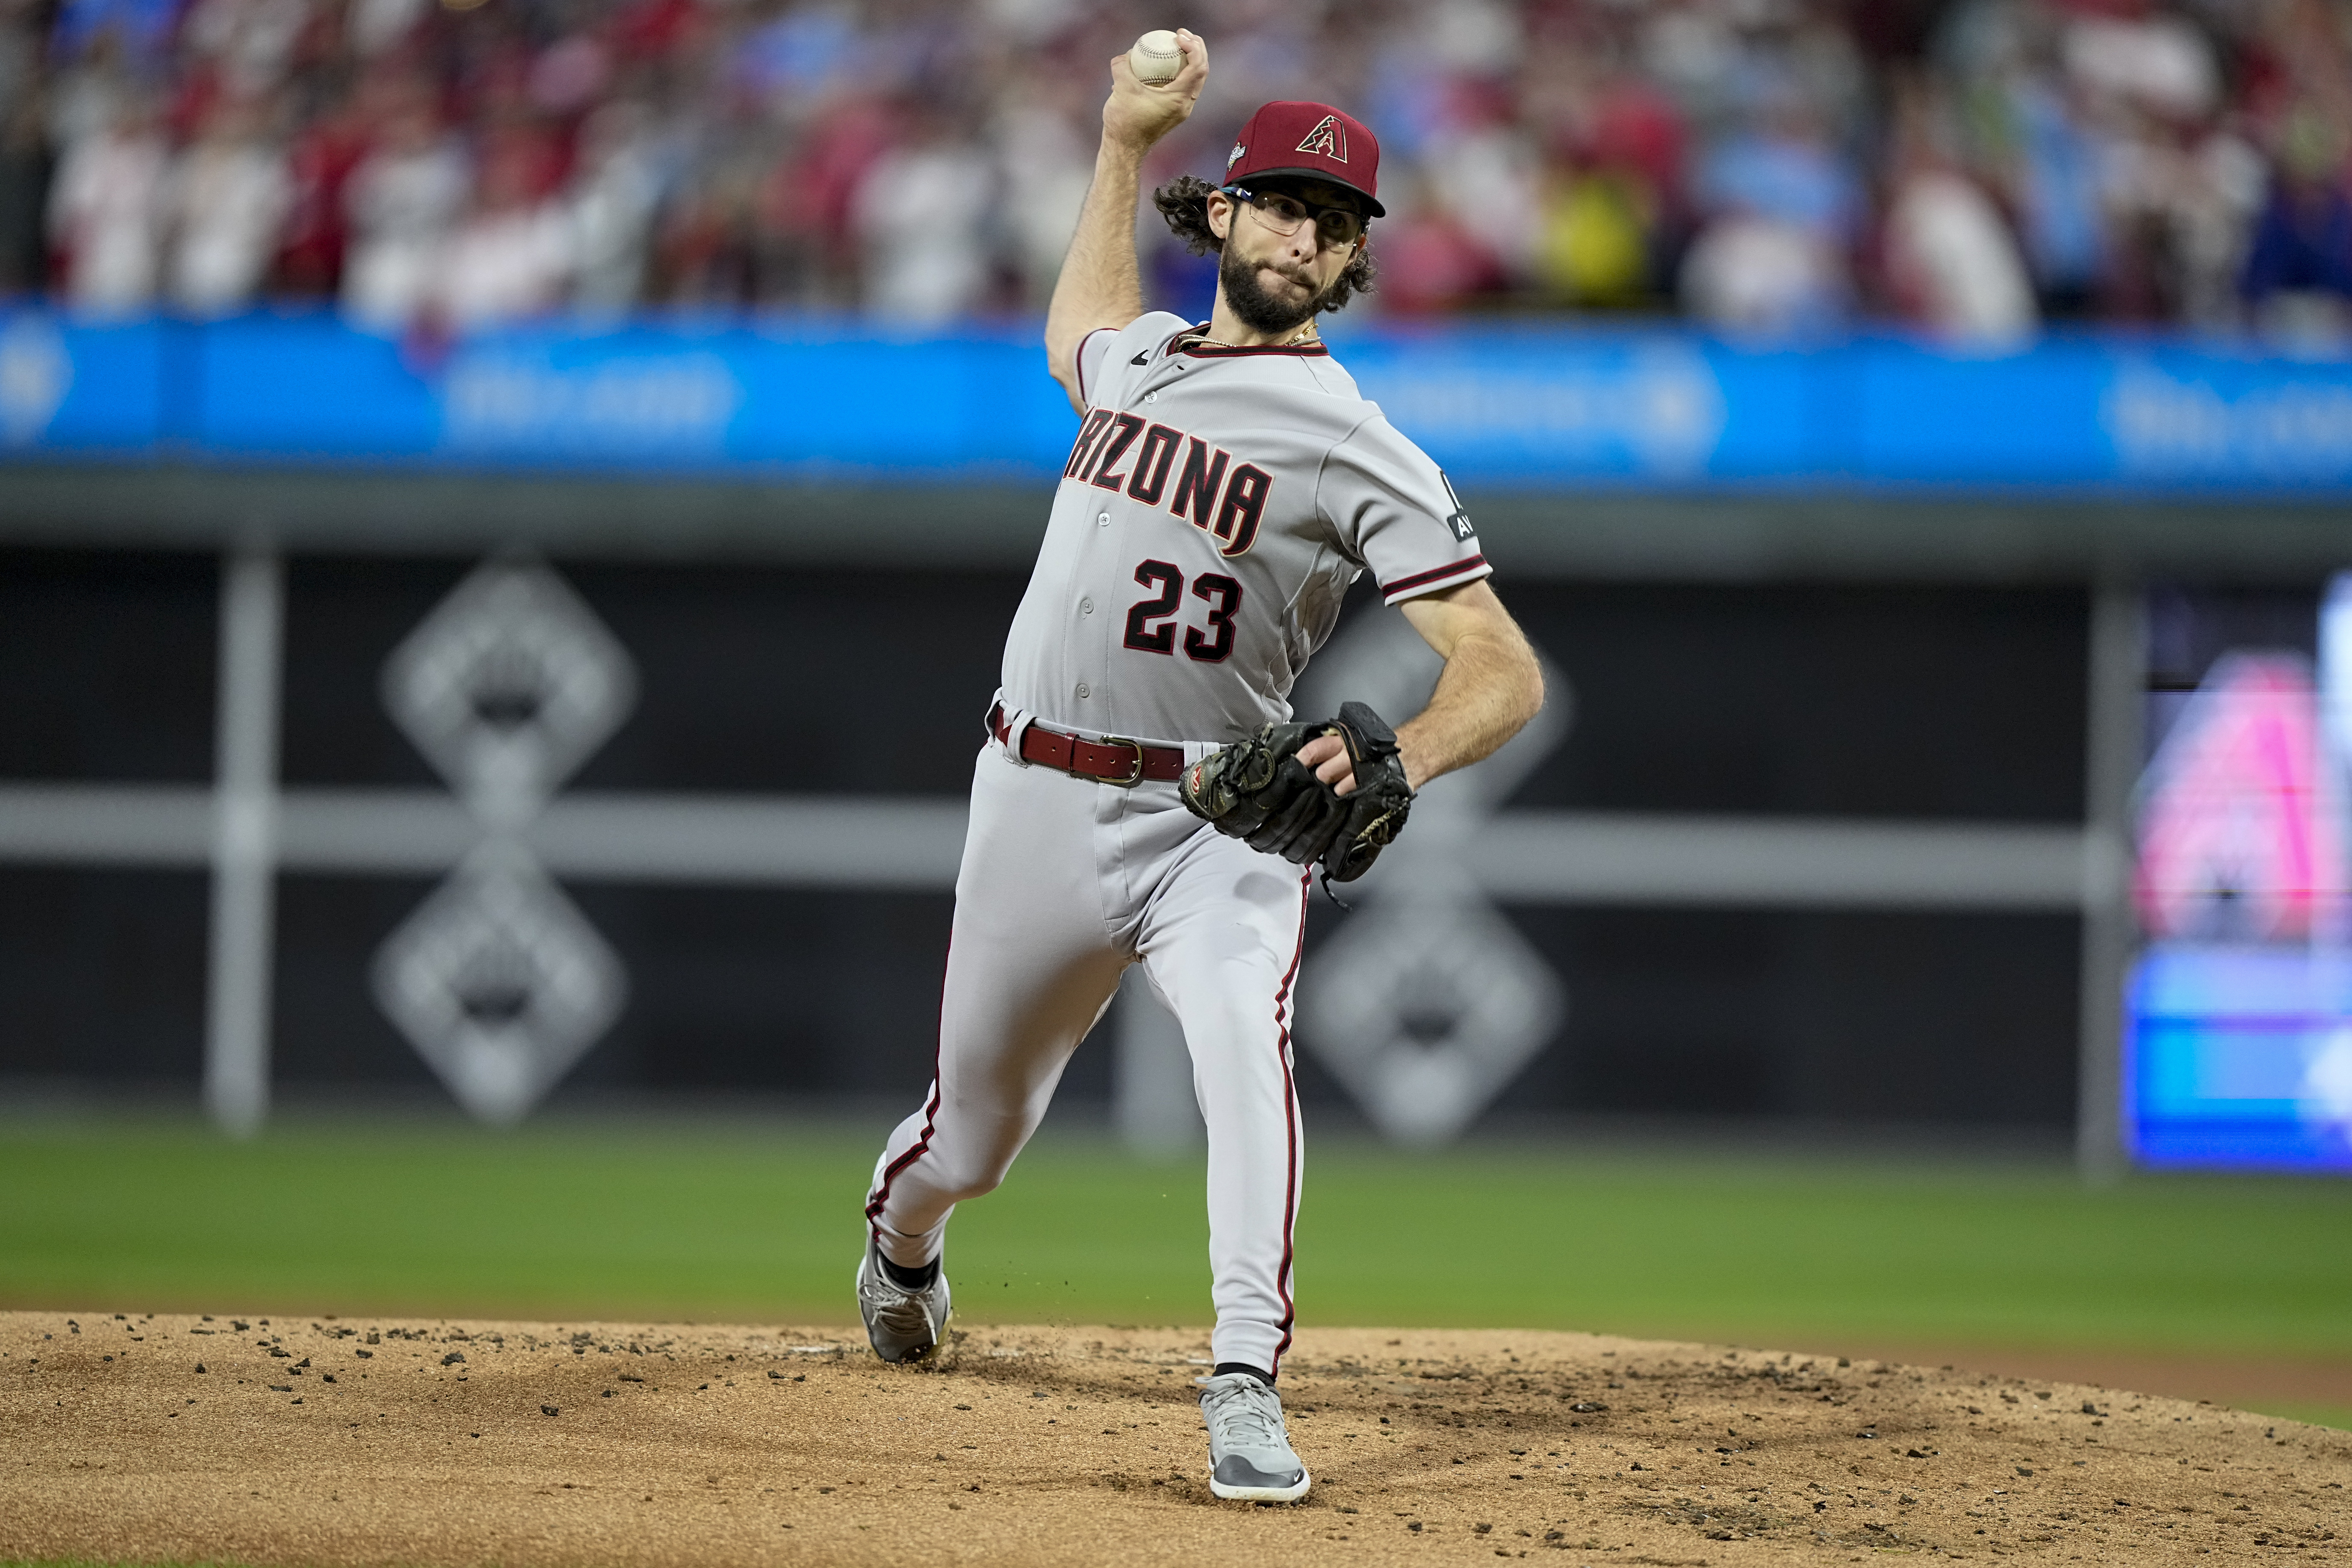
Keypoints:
pixel 1258 790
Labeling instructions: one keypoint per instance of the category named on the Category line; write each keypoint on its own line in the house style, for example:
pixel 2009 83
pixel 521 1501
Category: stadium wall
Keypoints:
pixel 1754 704
pixel 1829 826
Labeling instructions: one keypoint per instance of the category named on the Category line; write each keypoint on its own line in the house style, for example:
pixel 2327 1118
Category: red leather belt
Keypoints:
pixel 1110 760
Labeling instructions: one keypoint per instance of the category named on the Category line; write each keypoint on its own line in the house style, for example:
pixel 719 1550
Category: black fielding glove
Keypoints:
pixel 1372 814
pixel 1258 790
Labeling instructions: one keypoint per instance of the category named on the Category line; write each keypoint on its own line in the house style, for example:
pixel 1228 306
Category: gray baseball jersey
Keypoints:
pixel 1215 506
pixel 1215 510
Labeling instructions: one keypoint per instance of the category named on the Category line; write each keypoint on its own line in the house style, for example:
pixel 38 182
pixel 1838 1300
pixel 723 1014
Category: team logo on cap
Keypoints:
pixel 1329 138
pixel 1235 156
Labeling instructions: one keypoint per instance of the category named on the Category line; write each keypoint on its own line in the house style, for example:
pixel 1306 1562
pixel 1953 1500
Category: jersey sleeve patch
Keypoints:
pixel 1393 510
pixel 1458 519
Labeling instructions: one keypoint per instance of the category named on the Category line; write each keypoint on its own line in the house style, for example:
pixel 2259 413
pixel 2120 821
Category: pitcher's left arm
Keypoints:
pixel 1490 687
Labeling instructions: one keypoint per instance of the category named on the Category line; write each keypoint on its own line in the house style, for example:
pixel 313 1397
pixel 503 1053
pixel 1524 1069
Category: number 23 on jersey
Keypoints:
pixel 1207 646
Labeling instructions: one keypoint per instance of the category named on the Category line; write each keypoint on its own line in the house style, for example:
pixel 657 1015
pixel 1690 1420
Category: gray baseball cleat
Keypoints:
pixel 1250 1458
pixel 901 1324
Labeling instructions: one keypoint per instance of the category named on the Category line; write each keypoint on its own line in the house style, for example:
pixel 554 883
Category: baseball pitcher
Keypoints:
pixel 1145 795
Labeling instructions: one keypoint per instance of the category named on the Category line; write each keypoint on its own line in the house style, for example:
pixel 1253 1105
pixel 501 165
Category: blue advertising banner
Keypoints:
pixel 1526 407
pixel 2241 1055
pixel 95 389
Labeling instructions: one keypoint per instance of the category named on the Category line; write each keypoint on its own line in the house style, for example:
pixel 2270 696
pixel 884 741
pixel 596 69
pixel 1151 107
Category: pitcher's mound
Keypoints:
pixel 309 1443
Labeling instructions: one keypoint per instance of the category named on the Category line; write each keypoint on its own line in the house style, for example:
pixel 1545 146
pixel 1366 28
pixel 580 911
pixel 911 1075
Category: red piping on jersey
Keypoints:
pixel 1290 1127
pixel 932 1111
pixel 1424 578
pixel 1315 351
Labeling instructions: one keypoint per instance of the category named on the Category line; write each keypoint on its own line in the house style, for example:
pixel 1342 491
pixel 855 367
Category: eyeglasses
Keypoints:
pixel 1335 226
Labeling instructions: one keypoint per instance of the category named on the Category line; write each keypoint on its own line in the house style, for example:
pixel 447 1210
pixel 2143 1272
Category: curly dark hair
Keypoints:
pixel 1184 202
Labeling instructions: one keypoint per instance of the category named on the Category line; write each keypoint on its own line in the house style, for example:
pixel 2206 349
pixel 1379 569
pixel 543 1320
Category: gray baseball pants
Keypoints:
pixel 1065 883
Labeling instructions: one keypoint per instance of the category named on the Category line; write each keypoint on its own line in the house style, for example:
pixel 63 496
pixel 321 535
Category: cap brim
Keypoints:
pixel 1372 208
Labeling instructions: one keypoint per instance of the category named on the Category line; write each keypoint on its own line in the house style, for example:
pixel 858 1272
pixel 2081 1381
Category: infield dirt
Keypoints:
pixel 314 1442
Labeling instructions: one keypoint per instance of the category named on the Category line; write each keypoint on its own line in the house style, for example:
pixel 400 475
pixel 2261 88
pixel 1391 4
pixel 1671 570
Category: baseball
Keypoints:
pixel 1156 58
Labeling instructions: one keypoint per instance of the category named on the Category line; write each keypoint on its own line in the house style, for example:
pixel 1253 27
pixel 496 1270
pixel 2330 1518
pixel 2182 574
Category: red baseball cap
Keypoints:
pixel 1313 141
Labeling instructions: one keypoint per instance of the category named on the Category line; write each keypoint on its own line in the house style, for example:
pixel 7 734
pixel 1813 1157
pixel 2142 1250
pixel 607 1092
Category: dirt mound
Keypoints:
pixel 317 1442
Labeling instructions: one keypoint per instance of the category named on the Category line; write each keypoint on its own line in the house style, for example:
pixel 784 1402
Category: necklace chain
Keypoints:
pixel 1303 335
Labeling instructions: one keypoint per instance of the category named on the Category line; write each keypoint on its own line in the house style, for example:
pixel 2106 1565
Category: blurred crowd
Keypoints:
pixel 1973 167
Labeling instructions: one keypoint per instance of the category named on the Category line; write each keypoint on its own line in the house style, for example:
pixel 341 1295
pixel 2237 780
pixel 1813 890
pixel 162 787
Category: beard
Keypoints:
pixel 1253 306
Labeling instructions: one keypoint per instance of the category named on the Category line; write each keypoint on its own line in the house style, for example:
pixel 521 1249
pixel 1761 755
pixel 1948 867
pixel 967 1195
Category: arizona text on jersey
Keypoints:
pixel 1216 507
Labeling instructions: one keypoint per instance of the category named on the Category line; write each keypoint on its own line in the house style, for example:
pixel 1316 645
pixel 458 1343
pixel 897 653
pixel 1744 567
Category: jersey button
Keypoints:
pixel 1082 690
pixel 1151 397
pixel 1102 520
pixel 1086 606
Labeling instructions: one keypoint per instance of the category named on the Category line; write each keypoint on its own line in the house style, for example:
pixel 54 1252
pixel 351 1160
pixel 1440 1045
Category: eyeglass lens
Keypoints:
pixel 1283 214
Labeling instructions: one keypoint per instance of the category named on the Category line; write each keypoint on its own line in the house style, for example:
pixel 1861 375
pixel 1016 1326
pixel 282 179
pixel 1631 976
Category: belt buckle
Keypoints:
pixel 1132 779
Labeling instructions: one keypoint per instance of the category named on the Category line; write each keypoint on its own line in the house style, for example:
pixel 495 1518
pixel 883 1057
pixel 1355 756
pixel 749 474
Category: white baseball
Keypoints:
pixel 1156 58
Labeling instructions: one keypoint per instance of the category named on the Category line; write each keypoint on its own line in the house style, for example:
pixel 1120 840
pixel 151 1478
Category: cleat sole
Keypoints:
pixel 1291 1494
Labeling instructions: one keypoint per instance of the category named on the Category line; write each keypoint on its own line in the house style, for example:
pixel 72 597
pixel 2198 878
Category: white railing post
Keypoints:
pixel 245 840
pixel 2116 716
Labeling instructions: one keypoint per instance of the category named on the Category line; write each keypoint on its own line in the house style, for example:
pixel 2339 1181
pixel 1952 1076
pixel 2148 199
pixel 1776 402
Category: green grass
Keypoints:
pixel 2337 1416
pixel 736 1220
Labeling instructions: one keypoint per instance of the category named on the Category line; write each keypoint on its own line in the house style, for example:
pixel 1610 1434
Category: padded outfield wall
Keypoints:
pixel 1820 831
